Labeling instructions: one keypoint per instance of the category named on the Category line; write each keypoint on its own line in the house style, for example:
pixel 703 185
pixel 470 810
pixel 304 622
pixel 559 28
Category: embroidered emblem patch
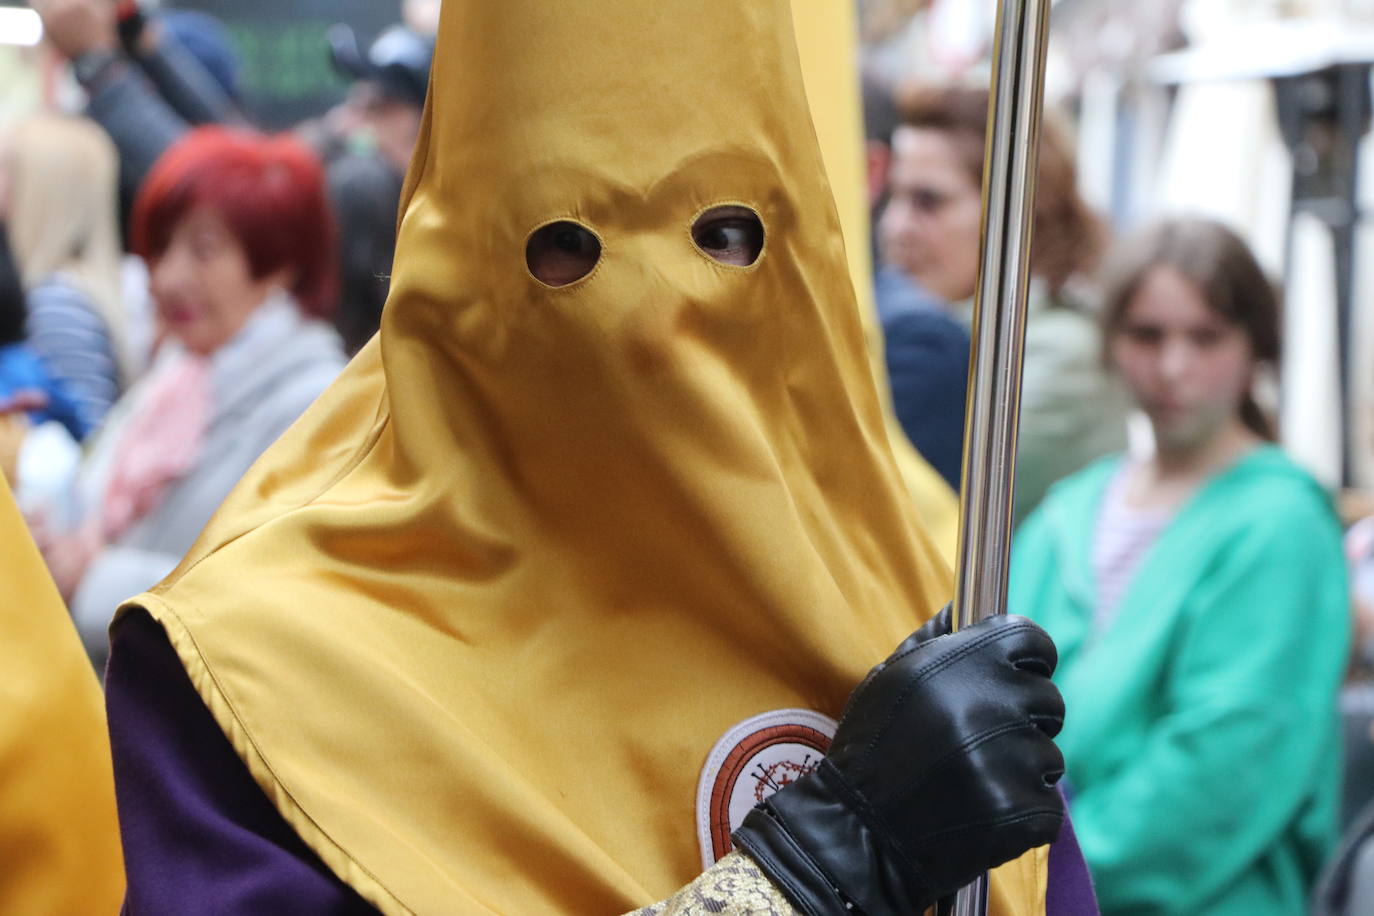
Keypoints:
pixel 755 759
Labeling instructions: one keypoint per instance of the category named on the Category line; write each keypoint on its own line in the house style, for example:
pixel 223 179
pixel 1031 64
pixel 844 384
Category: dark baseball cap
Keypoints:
pixel 397 62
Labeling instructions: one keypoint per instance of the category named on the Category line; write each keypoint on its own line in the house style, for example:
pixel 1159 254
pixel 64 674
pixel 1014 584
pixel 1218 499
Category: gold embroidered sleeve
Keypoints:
pixel 734 886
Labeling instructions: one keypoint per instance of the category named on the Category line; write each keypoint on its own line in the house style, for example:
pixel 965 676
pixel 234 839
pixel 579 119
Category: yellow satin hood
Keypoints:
pixel 827 40
pixel 59 839
pixel 477 620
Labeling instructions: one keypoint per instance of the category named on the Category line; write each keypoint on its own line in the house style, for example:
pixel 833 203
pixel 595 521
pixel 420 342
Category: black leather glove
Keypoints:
pixel 942 767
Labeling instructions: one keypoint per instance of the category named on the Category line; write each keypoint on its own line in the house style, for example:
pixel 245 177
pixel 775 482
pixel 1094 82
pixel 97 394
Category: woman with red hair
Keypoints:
pixel 239 241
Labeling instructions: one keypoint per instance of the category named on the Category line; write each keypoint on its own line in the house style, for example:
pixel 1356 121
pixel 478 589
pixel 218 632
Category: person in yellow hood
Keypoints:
pixel 59 838
pixel 581 558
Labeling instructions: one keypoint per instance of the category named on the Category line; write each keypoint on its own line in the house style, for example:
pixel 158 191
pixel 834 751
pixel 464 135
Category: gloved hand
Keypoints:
pixel 942 767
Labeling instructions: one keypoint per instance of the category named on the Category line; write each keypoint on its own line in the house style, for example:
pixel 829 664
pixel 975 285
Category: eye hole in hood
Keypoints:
pixel 730 234
pixel 562 252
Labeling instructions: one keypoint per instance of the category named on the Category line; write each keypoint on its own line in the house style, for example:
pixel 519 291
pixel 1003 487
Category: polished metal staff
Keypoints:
pixel 999 327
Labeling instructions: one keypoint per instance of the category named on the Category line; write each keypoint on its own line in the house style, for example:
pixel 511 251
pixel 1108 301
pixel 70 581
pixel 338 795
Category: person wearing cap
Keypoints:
pixel 387 96
pixel 367 141
pixel 584 555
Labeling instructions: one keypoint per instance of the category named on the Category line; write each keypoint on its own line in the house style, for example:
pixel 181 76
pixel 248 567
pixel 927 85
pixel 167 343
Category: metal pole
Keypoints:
pixel 999 327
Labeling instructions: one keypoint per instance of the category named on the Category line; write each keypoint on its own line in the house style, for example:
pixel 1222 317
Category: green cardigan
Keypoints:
pixel 1201 735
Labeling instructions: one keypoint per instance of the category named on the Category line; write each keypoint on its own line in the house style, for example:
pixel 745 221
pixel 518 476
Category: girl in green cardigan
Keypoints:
pixel 1198 599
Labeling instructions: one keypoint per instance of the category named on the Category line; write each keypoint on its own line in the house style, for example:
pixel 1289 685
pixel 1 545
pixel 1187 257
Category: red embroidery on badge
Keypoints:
pixel 755 759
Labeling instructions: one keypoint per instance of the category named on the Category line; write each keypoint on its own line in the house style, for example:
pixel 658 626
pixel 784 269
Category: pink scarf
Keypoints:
pixel 161 441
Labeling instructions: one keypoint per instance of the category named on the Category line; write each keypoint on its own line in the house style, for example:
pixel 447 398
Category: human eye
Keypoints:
pixel 1143 334
pixel 731 235
pixel 1208 338
pixel 204 245
pixel 562 252
pixel 929 200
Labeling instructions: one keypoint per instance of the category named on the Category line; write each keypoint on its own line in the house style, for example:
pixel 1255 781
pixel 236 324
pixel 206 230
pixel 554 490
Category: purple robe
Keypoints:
pixel 200 836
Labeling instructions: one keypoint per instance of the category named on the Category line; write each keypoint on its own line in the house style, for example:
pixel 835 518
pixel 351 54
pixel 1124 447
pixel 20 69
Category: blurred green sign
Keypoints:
pixel 286 74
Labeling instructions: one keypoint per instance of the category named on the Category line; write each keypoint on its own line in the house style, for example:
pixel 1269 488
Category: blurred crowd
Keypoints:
pixel 176 287
pixel 1192 574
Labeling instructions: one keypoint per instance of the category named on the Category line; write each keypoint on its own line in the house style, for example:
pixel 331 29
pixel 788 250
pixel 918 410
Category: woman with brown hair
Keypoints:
pixel 1198 599
pixel 930 232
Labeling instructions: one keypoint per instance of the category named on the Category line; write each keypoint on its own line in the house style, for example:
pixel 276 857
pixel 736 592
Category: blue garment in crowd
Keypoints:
pixel 74 344
pixel 20 370
pixel 927 354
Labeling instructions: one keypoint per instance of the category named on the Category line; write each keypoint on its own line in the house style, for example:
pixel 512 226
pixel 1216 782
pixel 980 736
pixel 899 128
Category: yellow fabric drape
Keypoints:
pixel 827 39
pixel 475 623
pixel 59 838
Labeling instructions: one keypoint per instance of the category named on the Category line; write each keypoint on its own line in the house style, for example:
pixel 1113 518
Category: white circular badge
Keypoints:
pixel 755 759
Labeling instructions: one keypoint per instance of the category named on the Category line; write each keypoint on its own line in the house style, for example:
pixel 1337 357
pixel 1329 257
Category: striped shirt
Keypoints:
pixel 1123 538
pixel 73 342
